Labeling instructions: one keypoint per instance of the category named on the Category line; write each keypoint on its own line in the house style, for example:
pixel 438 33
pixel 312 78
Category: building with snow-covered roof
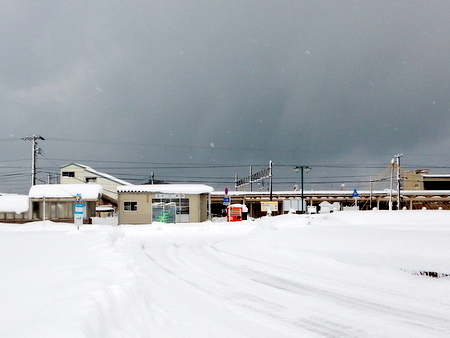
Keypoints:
pixel 13 208
pixel 59 199
pixel 166 203
pixel 421 179
pixel 75 173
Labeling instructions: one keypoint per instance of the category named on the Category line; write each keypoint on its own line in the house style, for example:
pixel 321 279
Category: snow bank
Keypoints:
pixel 397 218
pixel 339 274
pixel 194 229
pixel 411 241
pixel 57 281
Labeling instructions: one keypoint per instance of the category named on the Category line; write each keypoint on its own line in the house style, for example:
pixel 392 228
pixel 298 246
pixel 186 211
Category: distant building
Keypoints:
pixel 74 173
pixel 166 203
pixel 421 179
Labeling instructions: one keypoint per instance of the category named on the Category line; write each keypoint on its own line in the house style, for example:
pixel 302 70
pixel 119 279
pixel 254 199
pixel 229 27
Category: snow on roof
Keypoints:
pixel 436 175
pixel 98 173
pixel 87 191
pixel 331 192
pixel 168 188
pixel 14 203
pixel 104 208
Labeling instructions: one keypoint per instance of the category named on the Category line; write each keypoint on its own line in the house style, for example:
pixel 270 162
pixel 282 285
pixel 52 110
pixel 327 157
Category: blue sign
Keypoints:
pixel 355 193
pixel 78 213
pixel 79 209
pixel 226 200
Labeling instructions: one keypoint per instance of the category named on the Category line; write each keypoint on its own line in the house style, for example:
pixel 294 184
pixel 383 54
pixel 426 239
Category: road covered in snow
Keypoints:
pixel 346 274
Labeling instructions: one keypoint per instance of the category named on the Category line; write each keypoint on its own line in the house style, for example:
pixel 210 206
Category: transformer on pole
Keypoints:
pixel 34 152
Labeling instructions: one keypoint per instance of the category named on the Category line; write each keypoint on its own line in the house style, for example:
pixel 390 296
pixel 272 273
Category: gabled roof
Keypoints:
pixel 98 173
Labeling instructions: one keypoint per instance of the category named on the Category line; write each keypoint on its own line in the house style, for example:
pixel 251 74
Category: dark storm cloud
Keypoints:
pixel 227 81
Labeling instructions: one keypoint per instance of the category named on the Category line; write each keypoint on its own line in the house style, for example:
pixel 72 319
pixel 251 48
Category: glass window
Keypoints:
pixel 68 174
pixel 91 179
pixel 182 204
pixel 130 206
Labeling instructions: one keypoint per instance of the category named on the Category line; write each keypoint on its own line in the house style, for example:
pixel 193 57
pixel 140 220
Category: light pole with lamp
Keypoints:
pixel 302 169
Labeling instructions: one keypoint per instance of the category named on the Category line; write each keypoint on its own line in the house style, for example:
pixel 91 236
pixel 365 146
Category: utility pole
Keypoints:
pixel 34 152
pixel 397 158
pixel 251 183
pixel 270 178
pixel 390 187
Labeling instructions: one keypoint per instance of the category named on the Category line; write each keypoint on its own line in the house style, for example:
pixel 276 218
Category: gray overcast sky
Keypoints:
pixel 146 83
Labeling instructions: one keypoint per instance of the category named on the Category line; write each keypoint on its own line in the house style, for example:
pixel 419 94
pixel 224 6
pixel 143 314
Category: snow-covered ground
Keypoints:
pixel 346 274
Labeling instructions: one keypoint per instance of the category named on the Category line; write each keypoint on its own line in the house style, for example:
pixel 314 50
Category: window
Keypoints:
pixel 182 204
pixel 68 174
pixel 91 179
pixel 130 206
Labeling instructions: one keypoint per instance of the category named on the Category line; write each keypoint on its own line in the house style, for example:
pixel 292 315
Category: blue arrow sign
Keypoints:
pixel 355 193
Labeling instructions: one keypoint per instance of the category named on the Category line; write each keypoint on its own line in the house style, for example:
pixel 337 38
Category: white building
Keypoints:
pixel 74 173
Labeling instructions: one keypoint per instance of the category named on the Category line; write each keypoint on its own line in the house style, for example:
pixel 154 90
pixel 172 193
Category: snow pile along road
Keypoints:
pixel 57 281
pixel 357 274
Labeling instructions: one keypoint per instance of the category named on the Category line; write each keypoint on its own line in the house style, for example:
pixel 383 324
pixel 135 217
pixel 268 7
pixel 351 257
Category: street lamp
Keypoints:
pixel 302 169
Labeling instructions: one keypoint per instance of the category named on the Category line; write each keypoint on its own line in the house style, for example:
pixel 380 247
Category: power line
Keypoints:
pixel 233 148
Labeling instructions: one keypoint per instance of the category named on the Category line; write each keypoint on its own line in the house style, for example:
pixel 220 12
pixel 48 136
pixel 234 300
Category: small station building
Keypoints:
pixel 166 203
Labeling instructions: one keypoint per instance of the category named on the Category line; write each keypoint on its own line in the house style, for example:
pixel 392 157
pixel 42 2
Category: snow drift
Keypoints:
pixel 362 274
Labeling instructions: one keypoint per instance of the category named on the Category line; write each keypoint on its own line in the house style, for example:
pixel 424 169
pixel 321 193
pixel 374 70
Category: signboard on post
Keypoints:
pixel 355 195
pixel 265 173
pixel 226 200
pixel 260 175
pixel 266 206
pixel 78 212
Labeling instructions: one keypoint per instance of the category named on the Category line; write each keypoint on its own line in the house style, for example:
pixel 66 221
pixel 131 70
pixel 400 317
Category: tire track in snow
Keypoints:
pixel 233 278
pixel 236 291
pixel 432 323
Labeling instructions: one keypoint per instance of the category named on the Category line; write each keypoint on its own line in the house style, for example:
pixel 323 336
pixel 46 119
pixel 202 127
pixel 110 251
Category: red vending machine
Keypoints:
pixel 234 213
